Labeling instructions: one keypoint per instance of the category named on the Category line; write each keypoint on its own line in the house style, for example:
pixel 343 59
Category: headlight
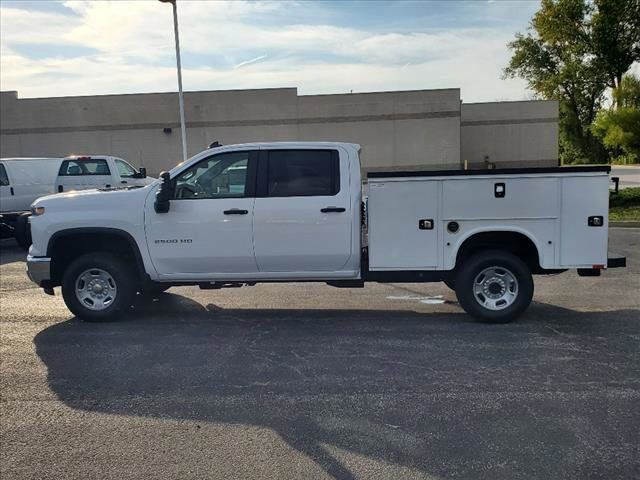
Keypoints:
pixel 36 211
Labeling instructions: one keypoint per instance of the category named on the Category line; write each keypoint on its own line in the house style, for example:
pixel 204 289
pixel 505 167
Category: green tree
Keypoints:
pixel 574 51
pixel 619 126
pixel 615 37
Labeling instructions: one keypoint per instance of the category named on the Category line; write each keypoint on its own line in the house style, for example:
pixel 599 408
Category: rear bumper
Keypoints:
pixel 616 261
pixel 39 270
pixel 613 261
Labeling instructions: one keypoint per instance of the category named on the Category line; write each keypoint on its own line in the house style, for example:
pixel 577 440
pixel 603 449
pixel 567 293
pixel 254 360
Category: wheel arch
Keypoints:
pixel 515 240
pixel 66 245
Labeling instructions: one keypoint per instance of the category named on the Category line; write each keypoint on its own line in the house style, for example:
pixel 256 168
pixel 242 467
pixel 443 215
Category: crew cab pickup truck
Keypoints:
pixel 272 212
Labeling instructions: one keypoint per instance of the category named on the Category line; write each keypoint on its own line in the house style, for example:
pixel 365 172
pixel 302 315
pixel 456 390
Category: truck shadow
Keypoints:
pixel 432 392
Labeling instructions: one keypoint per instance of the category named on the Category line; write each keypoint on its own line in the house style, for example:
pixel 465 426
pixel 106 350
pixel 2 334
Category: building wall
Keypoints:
pixel 508 134
pixel 397 130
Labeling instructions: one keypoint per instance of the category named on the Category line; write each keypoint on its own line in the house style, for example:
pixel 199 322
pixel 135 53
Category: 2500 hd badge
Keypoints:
pixel 174 240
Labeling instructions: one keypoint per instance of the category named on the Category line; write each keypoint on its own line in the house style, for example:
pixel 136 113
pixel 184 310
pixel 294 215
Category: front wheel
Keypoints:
pixel 494 286
pixel 98 287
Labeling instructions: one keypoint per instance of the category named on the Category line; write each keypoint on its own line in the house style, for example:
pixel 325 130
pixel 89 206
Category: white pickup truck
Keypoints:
pixel 273 212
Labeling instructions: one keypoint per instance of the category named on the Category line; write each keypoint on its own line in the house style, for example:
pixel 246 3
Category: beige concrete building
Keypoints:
pixel 510 133
pixel 422 129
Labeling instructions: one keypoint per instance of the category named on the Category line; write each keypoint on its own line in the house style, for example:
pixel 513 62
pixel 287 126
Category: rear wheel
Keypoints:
pixel 98 287
pixel 494 286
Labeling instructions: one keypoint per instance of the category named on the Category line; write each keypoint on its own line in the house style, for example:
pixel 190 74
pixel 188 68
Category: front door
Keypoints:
pixel 303 213
pixel 127 175
pixel 208 231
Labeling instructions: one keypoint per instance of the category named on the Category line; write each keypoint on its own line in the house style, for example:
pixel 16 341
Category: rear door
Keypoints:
pixel 302 217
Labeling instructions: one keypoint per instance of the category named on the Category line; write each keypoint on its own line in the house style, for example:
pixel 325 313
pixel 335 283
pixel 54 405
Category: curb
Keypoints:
pixel 629 224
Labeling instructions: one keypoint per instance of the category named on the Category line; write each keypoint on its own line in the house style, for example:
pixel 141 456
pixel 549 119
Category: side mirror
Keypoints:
pixel 142 172
pixel 164 193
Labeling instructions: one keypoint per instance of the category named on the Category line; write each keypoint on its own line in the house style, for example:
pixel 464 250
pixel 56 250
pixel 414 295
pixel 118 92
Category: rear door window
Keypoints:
pixel 302 173
pixel 4 179
pixel 72 168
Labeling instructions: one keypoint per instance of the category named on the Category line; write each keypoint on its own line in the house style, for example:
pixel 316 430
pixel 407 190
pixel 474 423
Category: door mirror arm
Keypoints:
pixel 142 173
pixel 164 193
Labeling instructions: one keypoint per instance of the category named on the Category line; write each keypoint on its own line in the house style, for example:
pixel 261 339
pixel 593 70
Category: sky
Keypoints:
pixel 93 47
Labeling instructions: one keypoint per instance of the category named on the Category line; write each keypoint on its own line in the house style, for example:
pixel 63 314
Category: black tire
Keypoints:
pixel 473 266
pixel 451 283
pixel 23 231
pixel 120 272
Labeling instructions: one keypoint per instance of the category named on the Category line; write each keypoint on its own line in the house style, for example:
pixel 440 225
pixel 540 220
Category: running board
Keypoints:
pixel 346 283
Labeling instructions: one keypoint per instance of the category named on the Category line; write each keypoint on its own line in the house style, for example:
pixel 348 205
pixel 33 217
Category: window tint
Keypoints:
pixel 84 167
pixel 220 176
pixel 4 179
pixel 303 173
pixel 124 169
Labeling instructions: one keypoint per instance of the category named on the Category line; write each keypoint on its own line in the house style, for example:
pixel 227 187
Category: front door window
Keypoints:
pixel 221 176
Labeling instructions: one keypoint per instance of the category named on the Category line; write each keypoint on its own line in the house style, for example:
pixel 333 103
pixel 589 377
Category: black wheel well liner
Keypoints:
pixel 66 245
pixel 507 240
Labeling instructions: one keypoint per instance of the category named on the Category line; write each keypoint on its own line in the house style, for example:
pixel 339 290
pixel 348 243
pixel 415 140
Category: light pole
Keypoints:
pixel 180 97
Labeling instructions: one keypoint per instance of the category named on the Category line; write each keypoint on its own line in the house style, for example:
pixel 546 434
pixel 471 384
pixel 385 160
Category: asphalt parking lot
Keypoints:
pixel 309 381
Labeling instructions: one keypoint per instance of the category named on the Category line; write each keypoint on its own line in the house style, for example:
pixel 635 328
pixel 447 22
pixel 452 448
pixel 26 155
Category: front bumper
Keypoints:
pixel 39 270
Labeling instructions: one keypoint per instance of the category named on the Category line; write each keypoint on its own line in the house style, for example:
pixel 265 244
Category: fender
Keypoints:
pixel 105 231
pixel 488 229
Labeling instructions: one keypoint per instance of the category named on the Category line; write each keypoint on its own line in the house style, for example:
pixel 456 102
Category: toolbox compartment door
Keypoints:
pixel 403 225
pixel 500 198
pixel 583 244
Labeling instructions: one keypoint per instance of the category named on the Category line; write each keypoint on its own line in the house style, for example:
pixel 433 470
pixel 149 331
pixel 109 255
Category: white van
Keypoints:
pixel 22 180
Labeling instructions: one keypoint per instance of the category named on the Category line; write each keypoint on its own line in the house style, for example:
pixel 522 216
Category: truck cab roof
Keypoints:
pixel 284 145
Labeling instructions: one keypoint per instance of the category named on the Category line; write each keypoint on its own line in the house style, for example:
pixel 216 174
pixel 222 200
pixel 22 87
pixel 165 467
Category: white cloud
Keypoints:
pixel 133 44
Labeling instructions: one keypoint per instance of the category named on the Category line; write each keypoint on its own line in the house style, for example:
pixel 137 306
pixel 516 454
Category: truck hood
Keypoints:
pixel 83 197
